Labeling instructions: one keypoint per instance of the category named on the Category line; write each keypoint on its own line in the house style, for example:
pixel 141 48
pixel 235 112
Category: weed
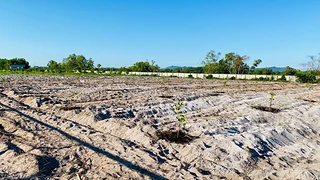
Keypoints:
pixel 225 83
pixel 73 95
pixel 271 100
pixel 5 80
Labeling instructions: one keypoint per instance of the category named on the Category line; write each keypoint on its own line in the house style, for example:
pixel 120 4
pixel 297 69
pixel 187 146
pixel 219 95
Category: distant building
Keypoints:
pixel 17 66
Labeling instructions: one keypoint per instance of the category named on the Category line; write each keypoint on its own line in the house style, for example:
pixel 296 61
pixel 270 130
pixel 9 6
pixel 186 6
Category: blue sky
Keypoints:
pixel 118 33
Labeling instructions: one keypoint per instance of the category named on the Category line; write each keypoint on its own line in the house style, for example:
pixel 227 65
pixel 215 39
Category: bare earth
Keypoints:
pixel 110 128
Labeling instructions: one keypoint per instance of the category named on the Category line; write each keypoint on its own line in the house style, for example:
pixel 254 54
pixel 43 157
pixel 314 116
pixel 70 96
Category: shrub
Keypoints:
pixel 233 78
pixel 190 76
pixel 272 78
pixel 209 76
pixel 283 78
pixel 306 77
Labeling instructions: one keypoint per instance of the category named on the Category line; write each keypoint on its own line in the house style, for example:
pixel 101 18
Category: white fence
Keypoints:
pixel 221 76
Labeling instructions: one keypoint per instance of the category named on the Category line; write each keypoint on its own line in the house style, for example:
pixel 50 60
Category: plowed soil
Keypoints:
pixel 125 128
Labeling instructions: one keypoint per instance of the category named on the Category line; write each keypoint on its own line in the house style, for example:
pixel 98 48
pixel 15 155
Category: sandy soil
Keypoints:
pixel 110 127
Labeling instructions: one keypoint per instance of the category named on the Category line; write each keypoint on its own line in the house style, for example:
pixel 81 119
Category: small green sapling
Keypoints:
pixel 271 99
pixel 180 117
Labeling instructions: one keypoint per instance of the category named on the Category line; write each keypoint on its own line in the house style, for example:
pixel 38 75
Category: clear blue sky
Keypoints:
pixel 172 32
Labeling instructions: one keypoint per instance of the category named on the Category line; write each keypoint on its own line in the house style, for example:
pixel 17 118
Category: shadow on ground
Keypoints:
pixel 118 159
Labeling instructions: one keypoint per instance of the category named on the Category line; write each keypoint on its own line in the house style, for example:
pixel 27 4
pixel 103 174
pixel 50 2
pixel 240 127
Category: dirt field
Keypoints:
pixel 115 128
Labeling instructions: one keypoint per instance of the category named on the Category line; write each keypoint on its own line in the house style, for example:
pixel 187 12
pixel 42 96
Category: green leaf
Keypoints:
pixel 272 96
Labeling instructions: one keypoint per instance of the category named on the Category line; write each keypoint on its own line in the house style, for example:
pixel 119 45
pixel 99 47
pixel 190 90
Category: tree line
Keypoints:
pixel 5 63
pixel 213 63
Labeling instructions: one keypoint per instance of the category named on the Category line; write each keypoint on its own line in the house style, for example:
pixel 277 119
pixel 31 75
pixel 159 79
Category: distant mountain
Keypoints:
pixel 177 67
pixel 275 69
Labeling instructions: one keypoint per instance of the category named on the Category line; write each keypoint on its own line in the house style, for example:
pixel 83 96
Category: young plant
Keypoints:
pixel 166 89
pixel 180 115
pixel 73 95
pixel 5 80
pixel 271 99
pixel 225 84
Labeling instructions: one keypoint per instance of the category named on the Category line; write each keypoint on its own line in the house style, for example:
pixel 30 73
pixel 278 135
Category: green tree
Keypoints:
pixel 144 66
pixel 4 64
pixel 210 62
pixel 289 71
pixel 230 59
pixel 255 64
pixel 154 67
pixel 222 67
pixel 77 62
pixel 240 65
pixel 54 66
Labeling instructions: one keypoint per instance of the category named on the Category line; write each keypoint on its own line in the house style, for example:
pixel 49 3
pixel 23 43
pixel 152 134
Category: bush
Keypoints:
pixel 272 78
pixel 190 76
pixel 233 78
pixel 306 77
pixel 209 76
pixel 283 78
pixel 262 79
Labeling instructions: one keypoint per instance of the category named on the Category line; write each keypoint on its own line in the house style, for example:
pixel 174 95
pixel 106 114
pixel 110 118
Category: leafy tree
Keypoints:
pixel 210 62
pixel 231 63
pixel 144 66
pixel 255 64
pixel 54 66
pixel 222 67
pixel 230 59
pixel 289 71
pixel 240 65
pixel 154 67
pixel 4 64
pixel 77 62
